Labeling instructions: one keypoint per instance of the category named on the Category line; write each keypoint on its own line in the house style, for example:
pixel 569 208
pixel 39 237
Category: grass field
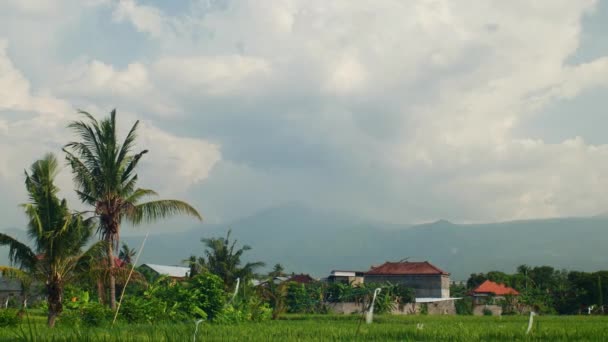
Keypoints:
pixel 334 328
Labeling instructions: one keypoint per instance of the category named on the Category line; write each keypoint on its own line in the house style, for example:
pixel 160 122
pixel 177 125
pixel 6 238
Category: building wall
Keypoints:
pixel 425 286
pixel 440 308
pixel 346 280
pixel 496 310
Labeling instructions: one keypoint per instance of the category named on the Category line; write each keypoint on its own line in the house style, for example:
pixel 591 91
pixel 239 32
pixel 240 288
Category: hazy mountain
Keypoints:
pixel 315 242
pixel 309 241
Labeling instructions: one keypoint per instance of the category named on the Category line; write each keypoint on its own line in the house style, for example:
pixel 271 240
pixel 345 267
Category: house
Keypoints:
pixel 346 277
pixel 426 279
pixel 173 272
pixel 489 290
pixel 9 288
pixel 296 278
pixel 301 279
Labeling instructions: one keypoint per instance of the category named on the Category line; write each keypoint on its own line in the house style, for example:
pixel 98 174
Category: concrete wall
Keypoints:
pixel 496 310
pixel 425 286
pixel 438 308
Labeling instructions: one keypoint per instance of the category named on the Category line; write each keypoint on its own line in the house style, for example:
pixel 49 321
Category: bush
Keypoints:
pixel 424 309
pixel 201 297
pixel 487 312
pixel 208 291
pixel 464 306
pixel 95 314
pixel 90 314
pixel 230 315
pixel 306 298
pixel 260 311
pixel 143 310
pixel 9 318
pixel 70 318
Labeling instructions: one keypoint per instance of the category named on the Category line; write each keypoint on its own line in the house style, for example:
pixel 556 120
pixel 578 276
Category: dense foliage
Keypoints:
pixel 548 290
pixel 57 237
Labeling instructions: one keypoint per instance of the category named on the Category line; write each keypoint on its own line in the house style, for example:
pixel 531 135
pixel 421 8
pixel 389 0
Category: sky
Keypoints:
pixel 391 110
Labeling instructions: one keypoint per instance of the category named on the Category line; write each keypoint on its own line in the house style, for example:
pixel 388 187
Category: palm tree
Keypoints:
pixel 197 265
pixel 224 260
pixel 126 254
pixel 277 271
pixel 57 235
pixel 104 172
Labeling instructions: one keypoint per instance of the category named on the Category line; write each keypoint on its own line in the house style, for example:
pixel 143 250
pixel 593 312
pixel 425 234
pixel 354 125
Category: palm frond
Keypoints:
pixel 154 210
pixel 18 253
pixel 15 273
pixel 138 194
pixel 128 143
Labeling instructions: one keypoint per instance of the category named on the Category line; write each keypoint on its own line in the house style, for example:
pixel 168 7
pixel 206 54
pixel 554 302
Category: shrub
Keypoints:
pixel 424 309
pixel 230 315
pixel 464 306
pixel 9 318
pixel 487 312
pixel 95 314
pixel 201 297
pixel 208 290
pixel 260 312
pixel 143 310
pixel 70 318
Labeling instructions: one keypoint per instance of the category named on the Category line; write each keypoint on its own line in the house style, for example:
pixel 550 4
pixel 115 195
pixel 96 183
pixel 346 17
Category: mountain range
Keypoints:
pixel 312 241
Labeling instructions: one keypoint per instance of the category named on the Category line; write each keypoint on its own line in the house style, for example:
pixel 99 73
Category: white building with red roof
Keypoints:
pixel 489 289
pixel 427 280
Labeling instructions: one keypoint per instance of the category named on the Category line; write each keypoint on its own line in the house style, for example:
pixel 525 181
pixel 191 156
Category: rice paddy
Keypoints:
pixel 332 328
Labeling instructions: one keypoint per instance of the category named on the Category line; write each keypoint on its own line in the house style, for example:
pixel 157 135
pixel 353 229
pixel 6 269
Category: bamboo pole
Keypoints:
pixel 122 294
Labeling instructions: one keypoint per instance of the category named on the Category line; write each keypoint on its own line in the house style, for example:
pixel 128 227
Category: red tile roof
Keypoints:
pixel 302 279
pixel 495 289
pixel 406 268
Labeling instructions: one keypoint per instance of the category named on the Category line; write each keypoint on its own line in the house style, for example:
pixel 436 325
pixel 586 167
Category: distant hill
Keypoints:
pixel 309 241
pixel 315 242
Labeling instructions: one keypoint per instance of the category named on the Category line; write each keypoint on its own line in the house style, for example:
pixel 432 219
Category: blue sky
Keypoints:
pixel 389 110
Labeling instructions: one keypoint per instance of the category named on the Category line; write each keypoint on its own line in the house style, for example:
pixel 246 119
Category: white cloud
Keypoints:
pixel 213 75
pixel 33 123
pixel 176 163
pixel 145 18
pixel 98 78
pixel 409 107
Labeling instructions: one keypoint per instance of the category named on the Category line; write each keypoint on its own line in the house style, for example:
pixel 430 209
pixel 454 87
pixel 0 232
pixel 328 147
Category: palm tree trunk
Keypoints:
pixel 101 291
pixel 112 277
pixel 54 299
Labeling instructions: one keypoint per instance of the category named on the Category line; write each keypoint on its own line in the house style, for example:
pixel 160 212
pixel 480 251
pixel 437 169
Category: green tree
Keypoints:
pixel 58 237
pixel 277 271
pixel 224 260
pixel 126 254
pixel 197 265
pixel 104 172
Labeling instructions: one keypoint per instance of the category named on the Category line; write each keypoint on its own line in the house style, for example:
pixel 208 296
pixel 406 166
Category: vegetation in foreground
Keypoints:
pixel 332 327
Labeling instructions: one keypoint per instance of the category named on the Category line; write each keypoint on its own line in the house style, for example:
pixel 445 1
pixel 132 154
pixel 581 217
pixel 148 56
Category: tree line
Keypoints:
pixel 549 290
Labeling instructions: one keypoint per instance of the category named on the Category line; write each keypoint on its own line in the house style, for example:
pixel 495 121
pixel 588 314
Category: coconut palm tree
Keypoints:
pixel 104 172
pixel 197 265
pixel 277 271
pixel 126 254
pixel 224 260
pixel 58 237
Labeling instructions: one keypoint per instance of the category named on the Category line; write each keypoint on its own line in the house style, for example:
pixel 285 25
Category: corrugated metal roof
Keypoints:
pixel 9 285
pixel 171 271
pixel 434 300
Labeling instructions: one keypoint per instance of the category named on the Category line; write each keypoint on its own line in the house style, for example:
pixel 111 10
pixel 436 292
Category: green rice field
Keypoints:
pixel 333 328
